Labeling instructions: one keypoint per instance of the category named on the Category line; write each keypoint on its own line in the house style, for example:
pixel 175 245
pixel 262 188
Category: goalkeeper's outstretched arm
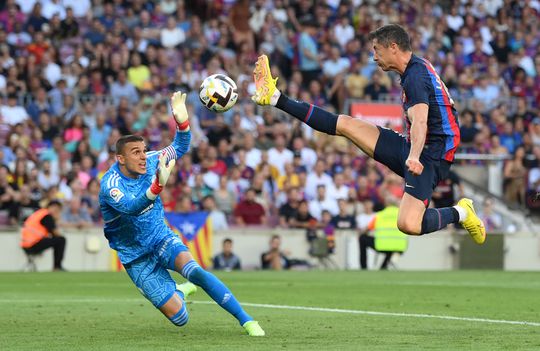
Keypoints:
pixel 182 139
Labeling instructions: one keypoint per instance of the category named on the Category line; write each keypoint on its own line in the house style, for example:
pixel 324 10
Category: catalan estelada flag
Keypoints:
pixel 195 230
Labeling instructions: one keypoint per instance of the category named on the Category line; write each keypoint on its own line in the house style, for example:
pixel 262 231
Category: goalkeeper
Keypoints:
pixel 135 227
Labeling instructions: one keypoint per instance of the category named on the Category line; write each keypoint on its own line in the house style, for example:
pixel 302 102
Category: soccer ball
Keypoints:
pixel 218 93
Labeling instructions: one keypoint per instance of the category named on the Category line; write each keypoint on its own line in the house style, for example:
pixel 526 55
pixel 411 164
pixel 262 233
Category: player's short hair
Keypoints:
pixel 227 240
pixel 123 140
pixel 392 33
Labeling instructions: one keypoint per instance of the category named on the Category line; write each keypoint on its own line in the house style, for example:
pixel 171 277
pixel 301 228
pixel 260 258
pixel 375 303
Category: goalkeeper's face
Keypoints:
pixel 133 159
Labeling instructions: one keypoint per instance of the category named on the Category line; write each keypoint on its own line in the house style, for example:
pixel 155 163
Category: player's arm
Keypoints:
pixel 182 139
pixel 418 114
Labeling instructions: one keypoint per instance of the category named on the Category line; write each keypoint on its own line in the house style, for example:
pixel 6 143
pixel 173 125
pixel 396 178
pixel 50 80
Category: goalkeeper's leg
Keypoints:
pixel 365 135
pixel 186 265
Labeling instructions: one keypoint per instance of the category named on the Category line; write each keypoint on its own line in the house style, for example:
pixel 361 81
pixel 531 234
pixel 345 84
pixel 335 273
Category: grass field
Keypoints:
pixel 104 311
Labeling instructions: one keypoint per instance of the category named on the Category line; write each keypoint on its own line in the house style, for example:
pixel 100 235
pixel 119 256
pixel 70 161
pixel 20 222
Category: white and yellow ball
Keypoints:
pixel 218 93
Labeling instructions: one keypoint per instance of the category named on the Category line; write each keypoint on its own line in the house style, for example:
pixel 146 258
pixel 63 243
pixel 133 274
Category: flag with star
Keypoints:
pixel 195 230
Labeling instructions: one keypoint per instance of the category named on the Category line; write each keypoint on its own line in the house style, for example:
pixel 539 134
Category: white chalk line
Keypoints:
pixel 287 307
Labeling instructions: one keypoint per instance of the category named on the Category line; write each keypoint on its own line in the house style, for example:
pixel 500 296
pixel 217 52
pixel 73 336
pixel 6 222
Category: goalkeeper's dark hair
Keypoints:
pixel 392 33
pixel 123 140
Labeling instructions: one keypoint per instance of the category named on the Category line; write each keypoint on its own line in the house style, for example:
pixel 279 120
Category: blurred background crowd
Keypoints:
pixel 77 74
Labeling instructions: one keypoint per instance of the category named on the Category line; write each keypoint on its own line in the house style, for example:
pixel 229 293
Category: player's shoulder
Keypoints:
pixel 111 185
pixel 418 65
pixel 111 179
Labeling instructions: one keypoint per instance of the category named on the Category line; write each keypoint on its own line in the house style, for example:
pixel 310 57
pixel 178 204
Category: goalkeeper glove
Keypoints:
pixel 160 179
pixel 180 114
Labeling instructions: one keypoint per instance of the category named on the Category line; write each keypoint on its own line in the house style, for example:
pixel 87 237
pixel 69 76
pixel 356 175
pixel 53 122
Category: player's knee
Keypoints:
pixel 181 318
pixel 408 227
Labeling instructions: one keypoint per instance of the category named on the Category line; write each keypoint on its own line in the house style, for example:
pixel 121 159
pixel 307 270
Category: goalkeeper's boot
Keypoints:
pixel 265 85
pixel 473 223
pixel 187 289
pixel 253 328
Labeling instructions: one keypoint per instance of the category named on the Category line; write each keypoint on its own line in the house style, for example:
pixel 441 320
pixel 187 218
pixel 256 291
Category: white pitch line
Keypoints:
pixel 281 307
pixel 386 314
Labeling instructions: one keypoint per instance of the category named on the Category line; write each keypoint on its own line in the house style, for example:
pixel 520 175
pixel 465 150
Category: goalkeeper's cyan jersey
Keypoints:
pixel 133 223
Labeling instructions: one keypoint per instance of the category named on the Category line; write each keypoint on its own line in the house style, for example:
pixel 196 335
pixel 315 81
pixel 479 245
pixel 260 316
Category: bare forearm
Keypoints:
pixel 418 138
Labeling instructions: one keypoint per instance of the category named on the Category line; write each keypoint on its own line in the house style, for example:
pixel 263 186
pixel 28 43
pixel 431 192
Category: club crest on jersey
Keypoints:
pixel 116 194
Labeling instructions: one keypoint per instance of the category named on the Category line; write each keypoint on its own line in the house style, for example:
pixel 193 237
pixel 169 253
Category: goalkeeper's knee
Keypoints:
pixel 181 318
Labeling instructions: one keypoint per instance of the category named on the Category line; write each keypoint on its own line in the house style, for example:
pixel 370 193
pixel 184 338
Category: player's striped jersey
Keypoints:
pixel 421 84
pixel 133 223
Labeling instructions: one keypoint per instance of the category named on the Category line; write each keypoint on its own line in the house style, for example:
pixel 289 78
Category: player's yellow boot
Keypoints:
pixel 265 85
pixel 473 223
pixel 253 328
pixel 187 289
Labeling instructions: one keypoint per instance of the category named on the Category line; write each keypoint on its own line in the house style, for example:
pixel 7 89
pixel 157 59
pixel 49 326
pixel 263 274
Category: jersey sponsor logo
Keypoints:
pixel 147 209
pixel 116 194
pixel 408 186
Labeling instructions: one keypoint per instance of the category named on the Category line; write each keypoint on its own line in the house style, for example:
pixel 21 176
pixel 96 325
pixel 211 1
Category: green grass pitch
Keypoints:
pixel 104 311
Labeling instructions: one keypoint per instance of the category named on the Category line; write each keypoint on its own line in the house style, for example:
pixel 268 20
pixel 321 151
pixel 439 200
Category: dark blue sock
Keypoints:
pixel 216 290
pixel 313 116
pixel 438 218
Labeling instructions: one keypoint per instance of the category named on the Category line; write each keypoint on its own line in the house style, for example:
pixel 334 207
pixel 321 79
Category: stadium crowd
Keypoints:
pixel 77 74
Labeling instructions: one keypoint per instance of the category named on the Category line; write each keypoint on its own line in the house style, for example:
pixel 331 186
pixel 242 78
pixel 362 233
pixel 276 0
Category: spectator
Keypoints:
pixel 248 211
pixel 514 178
pixel 8 196
pixel 219 221
pixel 492 220
pixel 308 52
pixel 172 36
pixel 375 90
pixel 343 220
pixel 275 258
pixel 227 260
pixel 303 219
pixel 225 197
pixel 322 202
pixel 289 210
pixel 11 112
pixel 317 178
pixel 40 232
pixel 123 88
pixel 76 215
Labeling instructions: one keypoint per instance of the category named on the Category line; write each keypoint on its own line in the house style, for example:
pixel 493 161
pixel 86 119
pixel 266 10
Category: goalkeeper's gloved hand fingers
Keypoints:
pixel 163 172
pixel 164 169
pixel 179 110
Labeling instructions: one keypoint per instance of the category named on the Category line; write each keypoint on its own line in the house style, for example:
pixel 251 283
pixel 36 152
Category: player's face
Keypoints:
pixel 134 158
pixel 382 55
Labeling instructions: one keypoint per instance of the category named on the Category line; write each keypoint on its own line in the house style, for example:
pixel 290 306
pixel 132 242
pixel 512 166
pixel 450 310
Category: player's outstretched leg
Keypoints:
pixel 221 295
pixel 266 93
pixel 365 135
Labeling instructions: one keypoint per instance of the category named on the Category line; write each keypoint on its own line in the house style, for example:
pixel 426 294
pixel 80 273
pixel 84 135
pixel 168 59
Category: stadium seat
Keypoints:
pixel 30 265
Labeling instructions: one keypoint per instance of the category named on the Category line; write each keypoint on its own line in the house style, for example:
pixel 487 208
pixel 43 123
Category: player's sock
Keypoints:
pixel 438 218
pixel 313 116
pixel 182 317
pixel 216 290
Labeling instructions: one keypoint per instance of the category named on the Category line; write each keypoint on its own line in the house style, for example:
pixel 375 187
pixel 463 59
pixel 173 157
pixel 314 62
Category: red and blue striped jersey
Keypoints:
pixel 421 84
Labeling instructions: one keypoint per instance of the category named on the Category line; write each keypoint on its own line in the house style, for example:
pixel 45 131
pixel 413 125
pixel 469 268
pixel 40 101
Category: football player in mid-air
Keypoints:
pixel 423 157
pixel 135 227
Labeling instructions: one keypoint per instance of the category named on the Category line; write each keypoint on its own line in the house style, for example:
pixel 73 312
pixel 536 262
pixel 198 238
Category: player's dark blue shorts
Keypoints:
pixel 149 272
pixel 392 150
